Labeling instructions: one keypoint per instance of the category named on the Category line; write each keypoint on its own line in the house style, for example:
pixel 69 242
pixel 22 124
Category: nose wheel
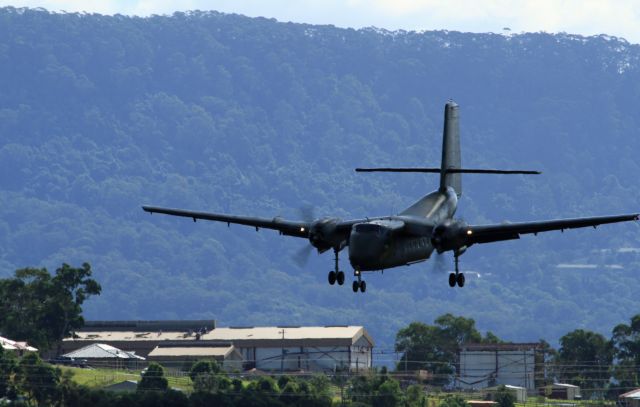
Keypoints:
pixel 456 278
pixel 358 284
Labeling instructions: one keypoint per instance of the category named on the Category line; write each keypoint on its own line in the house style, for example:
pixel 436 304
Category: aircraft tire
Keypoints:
pixel 355 286
pixel 363 286
pixel 332 277
pixel 460 280
pixel 340 277
pixel 452 280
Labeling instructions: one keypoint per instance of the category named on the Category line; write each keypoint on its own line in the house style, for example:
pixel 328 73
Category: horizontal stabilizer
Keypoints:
pixel 448 171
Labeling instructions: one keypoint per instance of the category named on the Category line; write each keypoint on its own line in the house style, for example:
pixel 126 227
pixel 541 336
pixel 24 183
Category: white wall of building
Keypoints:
pixel 481 369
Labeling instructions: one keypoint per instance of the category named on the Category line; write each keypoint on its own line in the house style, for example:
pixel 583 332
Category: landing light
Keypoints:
pixel 469 232
pixel 302 229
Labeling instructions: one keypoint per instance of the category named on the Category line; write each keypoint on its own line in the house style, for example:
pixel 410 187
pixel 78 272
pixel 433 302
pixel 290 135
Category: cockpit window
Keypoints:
pixel 368 228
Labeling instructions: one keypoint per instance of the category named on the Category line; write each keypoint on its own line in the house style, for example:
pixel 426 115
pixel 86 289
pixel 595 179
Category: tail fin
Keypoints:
pixel 451 157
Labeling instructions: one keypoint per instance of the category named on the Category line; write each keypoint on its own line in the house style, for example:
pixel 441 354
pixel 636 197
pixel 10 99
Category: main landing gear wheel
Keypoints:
pixel 359 285
pixel 456 278
pixel 336 275
pixel 332 277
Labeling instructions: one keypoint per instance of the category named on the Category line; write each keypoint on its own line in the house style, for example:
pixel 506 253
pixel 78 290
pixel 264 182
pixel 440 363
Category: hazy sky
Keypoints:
pixel 620 18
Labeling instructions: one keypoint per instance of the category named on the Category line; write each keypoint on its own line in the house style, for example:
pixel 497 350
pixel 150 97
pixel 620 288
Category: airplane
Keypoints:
pixel 411 236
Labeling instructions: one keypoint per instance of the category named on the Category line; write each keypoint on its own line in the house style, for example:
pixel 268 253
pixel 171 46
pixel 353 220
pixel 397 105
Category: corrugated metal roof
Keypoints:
pixel 212 351
pixel 349 333
pixel 278 333
pixel 8 344
pixel 633 394
pixel 101 351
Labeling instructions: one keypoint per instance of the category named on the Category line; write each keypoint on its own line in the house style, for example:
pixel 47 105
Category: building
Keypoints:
pixel 101 355
pixel 284 348
pixel 139 337
pixel 297 348
pixel 178 356
pixel 123 386
pixel 520 393
pixel 630 399
pixel 489 365
pixel 19 348
pixel 561 391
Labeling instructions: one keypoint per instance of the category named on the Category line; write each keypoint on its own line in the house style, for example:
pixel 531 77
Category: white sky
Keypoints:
pixel 619 18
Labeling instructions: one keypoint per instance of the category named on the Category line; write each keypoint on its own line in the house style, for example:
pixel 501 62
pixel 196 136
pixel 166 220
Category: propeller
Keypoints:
pixel 301 257
pixel 439 263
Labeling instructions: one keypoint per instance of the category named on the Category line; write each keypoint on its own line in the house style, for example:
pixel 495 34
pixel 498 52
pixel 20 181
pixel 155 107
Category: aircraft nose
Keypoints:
pixel 364 250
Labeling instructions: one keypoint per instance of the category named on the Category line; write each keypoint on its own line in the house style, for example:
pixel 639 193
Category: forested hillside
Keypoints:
pixel 207 111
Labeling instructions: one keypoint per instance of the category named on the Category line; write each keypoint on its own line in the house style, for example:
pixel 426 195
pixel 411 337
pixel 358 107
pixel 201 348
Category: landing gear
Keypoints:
pixel 336 275
pixel 358 284
pixel 457 277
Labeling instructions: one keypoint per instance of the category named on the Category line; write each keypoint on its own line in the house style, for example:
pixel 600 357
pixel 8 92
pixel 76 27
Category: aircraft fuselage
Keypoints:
pixel 378 244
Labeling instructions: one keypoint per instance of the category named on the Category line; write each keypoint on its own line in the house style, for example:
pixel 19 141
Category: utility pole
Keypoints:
pixel 283 353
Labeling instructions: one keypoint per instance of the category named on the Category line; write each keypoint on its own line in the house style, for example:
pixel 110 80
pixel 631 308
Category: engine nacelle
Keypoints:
pixel 323 234
pixel 450 235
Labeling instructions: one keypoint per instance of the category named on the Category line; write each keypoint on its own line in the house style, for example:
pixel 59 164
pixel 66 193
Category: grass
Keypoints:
pixel 96 378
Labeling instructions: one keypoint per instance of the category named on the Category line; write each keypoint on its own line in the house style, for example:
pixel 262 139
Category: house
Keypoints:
pixel 177 356
pixel 19 348
pixel 630 398
pixel 561 391
pixel 105 356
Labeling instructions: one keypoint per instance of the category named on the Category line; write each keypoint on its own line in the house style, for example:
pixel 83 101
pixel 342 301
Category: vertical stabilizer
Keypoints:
pixel 451 157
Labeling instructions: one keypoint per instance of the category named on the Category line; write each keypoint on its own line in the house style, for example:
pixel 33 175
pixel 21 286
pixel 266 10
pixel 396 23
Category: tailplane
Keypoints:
pixel 451 166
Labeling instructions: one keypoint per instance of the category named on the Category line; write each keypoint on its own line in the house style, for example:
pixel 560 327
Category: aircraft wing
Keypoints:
pixel 508 231
pixel 285 227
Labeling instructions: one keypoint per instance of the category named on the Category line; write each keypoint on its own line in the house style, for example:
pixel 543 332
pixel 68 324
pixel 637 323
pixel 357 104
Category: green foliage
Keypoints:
pixel 416 396
pixel 376 388
pixel 504 397
pixel 207 376
pixel 8 366
pixel 153 379
pixel 625 340
pixel 453 400
pixel 42 309
pixel 38 380
pixel 434 347
pixel 585 359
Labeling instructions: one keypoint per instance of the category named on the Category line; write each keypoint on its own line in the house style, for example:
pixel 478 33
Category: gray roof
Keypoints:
pixel 101 351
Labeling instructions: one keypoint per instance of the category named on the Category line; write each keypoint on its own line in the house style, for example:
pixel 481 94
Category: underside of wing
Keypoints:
pixel 285 227
pixel 494 233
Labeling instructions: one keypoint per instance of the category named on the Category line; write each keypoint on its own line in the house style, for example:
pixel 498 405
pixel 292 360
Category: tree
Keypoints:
pixel 585 359
pixel 8 367
pixel 434 347
pixel 39 380
pixel 453 400
pixel 504 397
pixel 625 340
pixel 153 379
pixel 41 309
pixel 207 376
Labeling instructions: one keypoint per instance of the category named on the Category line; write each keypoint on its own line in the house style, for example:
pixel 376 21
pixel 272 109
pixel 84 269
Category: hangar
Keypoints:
pixel 278 348
pixel 488 365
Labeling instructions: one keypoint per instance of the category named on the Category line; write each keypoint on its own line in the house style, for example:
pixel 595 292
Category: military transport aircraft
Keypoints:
pixel 415 233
